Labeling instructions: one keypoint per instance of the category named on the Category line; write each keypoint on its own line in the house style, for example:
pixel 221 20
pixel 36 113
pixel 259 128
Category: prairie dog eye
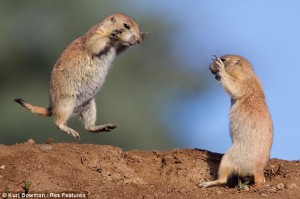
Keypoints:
pixel 126 26
pixel 222 59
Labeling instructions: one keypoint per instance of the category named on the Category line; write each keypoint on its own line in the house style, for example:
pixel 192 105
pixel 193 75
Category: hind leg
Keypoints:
pixel 259 178
pixel 89 115
pixel 62 113
pixel 225 171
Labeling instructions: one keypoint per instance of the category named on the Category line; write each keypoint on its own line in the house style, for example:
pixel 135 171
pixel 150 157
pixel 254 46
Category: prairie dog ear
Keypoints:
pixel 238 62
pixel 113 19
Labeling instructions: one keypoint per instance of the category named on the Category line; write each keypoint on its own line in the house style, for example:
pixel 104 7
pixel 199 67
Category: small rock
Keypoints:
pixel 264 195
pixel 46 148
pixel 280 186
pixel 292 186
pixel 31 141
pixel 246 188
pixel 273 190
pixel 2 167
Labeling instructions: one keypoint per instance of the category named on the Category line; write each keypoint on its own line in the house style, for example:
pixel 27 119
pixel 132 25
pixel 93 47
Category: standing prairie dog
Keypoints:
pixel 81 69
pixel 251 126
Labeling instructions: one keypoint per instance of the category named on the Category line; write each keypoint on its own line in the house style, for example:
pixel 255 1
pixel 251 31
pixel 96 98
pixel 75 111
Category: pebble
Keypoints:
pixel 273 190
pixel 264 195
pixel 31 141
pixel 246 188
pixel 280 186
pixel 46 148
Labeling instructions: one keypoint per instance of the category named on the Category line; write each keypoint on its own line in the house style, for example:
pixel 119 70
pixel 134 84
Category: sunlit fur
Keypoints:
pixel 251 127
pixel 81 70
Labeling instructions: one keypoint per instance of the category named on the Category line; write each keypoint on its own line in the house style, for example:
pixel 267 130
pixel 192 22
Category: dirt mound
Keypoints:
pixel 110 172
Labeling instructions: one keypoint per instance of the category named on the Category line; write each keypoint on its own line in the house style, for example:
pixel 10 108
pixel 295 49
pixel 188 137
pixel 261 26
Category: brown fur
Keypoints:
pixel 251 127
pixel 81 69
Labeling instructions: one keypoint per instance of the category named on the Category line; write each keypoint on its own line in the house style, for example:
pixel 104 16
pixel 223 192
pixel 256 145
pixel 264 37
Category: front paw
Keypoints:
pixel 217 68
pixel 113 36
pixel 219 63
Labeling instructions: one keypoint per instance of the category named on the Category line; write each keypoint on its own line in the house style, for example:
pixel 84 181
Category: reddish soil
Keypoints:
pixel 110 172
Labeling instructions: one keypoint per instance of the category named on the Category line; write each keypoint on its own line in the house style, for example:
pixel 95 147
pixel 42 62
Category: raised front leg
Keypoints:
pixel 113 36
pixel 228 82
pixel 89 116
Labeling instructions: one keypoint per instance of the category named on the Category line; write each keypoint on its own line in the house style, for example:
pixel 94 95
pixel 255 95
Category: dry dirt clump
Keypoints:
pixel 109 172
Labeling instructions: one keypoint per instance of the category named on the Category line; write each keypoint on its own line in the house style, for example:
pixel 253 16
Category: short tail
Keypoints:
pixel 35 109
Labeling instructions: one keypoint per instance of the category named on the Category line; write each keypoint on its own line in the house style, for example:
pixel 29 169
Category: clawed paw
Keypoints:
pixel 101 128
pixel 74 134
pixel 114 34
pixel 217 67
pixel 109 127
pixel 219 63
pixel 202 184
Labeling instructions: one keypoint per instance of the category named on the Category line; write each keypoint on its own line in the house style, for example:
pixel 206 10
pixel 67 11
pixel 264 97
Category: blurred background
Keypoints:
pixel 160 93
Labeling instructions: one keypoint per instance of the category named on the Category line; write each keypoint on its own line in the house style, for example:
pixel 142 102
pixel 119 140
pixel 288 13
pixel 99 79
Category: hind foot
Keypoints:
pixel 101 128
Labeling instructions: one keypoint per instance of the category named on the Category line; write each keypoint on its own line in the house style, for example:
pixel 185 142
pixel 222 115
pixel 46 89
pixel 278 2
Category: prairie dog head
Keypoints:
pixel 123 29
pixel 116 30
pixel 236 66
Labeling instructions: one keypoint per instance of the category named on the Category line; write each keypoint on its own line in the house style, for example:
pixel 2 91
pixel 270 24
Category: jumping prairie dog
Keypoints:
pixel 251 126
pixel 81 69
